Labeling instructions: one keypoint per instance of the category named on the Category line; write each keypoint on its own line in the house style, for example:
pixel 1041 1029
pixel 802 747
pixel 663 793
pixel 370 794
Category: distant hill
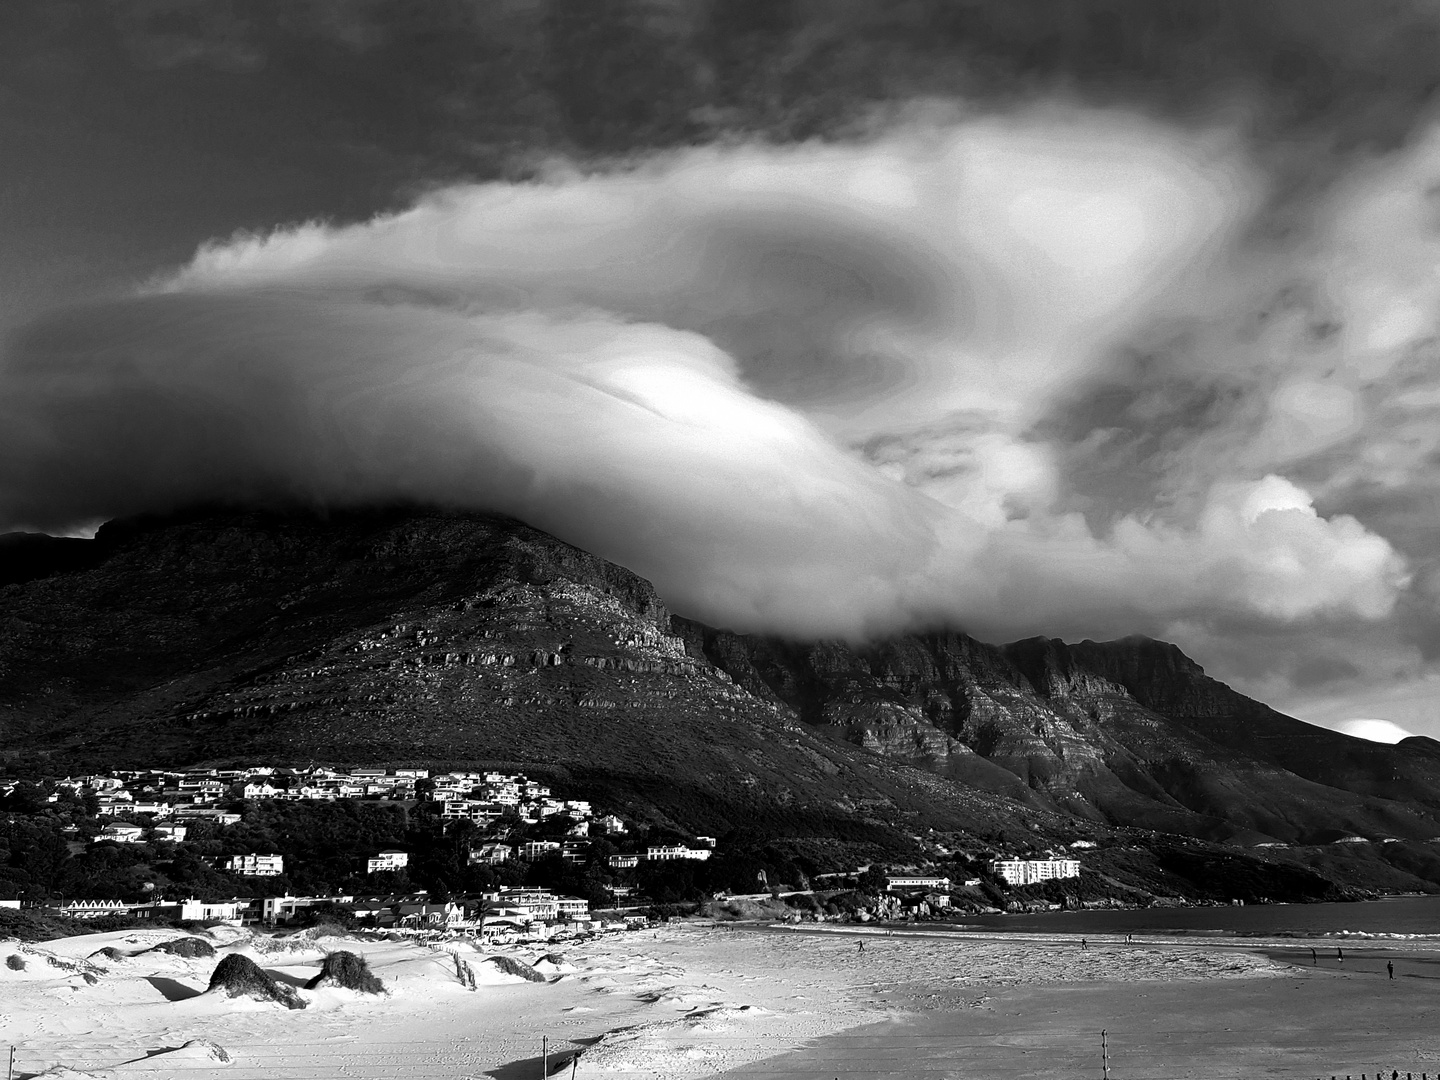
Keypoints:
pixel 421 636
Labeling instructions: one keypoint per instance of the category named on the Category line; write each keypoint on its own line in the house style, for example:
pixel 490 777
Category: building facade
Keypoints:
pixel 1033 871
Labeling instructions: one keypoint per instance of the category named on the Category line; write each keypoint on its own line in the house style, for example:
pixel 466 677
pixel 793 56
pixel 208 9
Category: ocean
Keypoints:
pixel 1400 915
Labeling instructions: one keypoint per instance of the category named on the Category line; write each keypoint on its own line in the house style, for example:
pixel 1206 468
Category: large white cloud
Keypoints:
pixel 802 388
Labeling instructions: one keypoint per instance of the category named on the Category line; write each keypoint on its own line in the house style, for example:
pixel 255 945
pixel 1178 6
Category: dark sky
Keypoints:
pixel 136 128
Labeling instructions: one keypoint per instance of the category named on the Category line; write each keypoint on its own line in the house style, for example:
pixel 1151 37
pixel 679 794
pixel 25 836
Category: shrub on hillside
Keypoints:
pixel 15 962
pixel 239 976
pixel 347 970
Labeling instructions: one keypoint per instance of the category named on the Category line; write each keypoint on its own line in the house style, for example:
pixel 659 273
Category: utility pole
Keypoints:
pixel 10 1073
pixel 1105 1052
pixel 544 1056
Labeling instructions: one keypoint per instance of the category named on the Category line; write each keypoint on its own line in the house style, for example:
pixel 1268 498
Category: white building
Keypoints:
pixel 94 909
pixel 256 865
pixel 893 883
pixel 389 859
pixel 470 810
pixel 624 862
pixel 1032 871
pixel 122 834
pixel 662 854
pixel 491 854
pixel 159 809
pixel 536 903
pixel 174 833
pixel 227 911
pixel 572 907
pixel 538 849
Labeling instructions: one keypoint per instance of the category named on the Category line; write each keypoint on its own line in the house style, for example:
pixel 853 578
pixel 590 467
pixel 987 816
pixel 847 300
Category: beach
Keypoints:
pixel 697 1000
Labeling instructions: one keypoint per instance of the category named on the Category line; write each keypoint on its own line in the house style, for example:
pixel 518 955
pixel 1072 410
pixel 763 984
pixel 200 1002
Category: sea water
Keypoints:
pixel 1407 916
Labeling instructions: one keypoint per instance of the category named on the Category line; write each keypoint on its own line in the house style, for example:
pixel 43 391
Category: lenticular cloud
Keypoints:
pixel 804 389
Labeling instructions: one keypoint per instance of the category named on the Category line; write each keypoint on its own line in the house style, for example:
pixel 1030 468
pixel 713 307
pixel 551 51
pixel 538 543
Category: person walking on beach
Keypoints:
pixel 1314 958
pixel 1084 944
pixel 862 945
pixel 1390 967
pixel 1340 953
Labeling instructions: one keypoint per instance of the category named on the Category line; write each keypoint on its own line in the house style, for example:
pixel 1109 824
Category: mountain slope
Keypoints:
pixel 423 636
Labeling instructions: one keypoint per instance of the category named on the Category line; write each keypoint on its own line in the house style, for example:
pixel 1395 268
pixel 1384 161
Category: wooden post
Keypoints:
pixel 574 1064
pixel 10 1073
pixel 545 1057
pixel 1105 1053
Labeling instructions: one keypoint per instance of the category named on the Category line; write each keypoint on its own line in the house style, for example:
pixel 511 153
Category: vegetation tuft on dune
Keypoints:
pixel 239 976
pixel 348 970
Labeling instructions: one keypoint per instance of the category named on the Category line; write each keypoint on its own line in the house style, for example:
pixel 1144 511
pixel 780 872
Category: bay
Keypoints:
pixel 1399 915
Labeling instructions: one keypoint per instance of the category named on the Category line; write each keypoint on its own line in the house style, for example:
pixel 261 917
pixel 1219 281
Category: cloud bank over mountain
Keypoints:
pixel 799 387
pixel 1018 317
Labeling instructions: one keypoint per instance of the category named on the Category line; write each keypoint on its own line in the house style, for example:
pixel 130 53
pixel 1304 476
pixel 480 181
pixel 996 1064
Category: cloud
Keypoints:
pixel 1381 731
pixel 808 389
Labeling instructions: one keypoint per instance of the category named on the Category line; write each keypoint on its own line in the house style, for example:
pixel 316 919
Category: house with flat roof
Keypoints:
pixel 121 834
pixel 256 865
pixel 898 882
pixel 390 859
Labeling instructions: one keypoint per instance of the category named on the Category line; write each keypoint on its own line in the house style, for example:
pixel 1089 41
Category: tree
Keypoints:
pixel 873 880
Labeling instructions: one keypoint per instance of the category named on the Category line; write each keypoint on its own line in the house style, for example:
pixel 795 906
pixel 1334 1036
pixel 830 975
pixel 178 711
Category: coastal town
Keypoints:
pixel 496 854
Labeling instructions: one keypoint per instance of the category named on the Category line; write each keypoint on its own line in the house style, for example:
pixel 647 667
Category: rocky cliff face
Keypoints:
pixel 421 636
pixel 1126 732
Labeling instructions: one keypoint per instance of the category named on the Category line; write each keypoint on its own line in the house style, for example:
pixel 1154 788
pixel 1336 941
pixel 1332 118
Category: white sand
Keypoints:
pixel 688 1001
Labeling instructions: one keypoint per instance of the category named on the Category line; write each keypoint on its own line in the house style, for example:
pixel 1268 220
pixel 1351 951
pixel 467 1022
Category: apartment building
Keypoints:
pixel 1033 871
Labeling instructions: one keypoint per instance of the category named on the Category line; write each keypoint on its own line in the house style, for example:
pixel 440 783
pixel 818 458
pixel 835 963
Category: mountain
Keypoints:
pixel 421 636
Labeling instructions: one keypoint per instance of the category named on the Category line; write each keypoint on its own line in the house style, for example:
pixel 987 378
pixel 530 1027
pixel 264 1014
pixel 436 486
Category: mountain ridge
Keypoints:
pixel 424 635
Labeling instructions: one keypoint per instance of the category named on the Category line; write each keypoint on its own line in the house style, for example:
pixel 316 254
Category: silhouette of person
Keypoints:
pixel 862 946
pixel 1340 953
pixel 1084 944
pixel 1390 967
pixel 1314 959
